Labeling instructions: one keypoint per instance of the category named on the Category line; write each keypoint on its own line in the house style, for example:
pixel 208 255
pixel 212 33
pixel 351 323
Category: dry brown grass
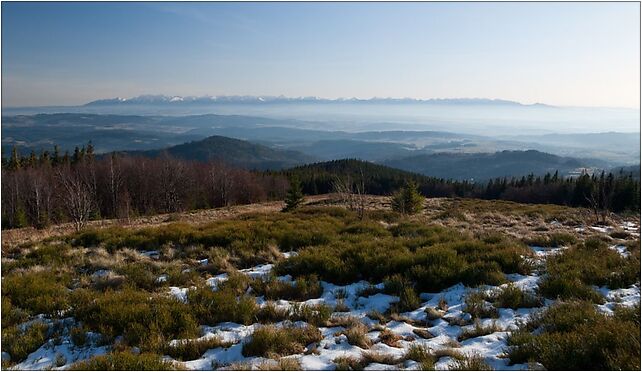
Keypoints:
pixel 390 338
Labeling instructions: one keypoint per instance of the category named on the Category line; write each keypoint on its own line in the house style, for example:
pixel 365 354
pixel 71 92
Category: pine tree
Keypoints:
pixel 294 197
pixel 408 200
pixel 14 161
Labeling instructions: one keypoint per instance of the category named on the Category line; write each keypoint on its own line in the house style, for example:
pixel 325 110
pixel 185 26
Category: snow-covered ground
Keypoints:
pixel 61 354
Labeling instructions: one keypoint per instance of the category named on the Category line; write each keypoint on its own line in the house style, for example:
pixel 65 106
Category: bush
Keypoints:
pixel 576 336
pixel 124 361
pixel 143 319
pixel 273 342
pixel 513 297
pixel 11 315
pixel 478 307
pixel 571 273
pixel 421 355
pixel 317 315
pixel 558 239
pixel 19 344
pixel 348 363
pixel 470 363
pixel 212 307
pixel 193 349
pixel 37 292
pixel 303 289
pixel 357 335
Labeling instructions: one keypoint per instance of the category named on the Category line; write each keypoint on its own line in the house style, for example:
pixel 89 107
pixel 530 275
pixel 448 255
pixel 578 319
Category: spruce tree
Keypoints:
pixel 408 200
pixel 294 197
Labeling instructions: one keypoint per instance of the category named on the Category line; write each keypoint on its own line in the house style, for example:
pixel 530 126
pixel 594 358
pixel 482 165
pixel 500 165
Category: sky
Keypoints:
pixel 567 54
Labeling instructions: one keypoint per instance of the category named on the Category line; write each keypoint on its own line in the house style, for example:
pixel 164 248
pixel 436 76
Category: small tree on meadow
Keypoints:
pixel 294 197
pixel 408 200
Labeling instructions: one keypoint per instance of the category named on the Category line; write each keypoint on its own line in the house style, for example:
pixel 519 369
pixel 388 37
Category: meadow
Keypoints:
pixel 322 288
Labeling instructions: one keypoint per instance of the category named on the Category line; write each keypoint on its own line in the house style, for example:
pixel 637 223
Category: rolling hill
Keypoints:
pixel 483 166
pixel 232 151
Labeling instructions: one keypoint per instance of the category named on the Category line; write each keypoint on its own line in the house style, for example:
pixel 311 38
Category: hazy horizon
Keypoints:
pixel 561 54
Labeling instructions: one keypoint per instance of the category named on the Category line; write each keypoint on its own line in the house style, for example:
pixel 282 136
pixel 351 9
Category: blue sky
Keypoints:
pixel 575 54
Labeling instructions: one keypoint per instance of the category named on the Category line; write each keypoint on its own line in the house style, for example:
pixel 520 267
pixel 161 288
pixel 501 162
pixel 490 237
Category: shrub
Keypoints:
pixel 377 357
pixel 513 297
pixel 566 287
pixel 212 307
pixel 283 364
pixel 11 315
pixel 124 361
pixel 571 273
pixel 357 335
pixel 36 292
pixel 558 239
pixel 270 313
pixel 348 363
pixel 317 315
pixel 19 344
pixel 421 355
pixel 576 336
pixel 143 319
pixel 478 307
pixel 401 287
pixel 193 349
pixel 470 363
pixel 78 336
pixel 303 289
pixel 271 341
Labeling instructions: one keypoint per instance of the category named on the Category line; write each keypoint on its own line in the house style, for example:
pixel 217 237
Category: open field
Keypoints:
pixel 465 284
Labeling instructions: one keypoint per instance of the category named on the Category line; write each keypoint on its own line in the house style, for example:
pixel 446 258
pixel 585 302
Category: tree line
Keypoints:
pixel 602 192
pixel 38 190
pixel 53 188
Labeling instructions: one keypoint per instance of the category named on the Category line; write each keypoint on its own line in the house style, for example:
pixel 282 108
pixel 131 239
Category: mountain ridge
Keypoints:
pixel 177 100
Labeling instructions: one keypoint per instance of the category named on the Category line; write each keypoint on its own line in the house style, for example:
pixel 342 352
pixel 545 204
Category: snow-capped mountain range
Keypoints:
pixel 163 100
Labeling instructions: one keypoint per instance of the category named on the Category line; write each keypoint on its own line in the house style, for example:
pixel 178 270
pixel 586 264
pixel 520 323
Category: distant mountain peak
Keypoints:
pixel 151 99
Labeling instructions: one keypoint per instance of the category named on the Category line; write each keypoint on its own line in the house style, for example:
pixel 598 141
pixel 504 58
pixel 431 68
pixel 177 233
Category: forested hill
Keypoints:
pixel 485 166
pixel 619 191
pixel 232 151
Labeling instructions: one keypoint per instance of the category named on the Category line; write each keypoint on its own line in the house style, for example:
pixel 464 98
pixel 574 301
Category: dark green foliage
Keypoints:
pixel 513 297
pixel 399 286
pixel 36 292
pixel 19 344
pixel 143 319
pixel 212 307
pixel 577 337
pixel 294 197
pixel 408 200
pixel 478 307
pixel 274 342
pixel 193 349
pixel 433 258
pixel 11 315
pixel 552 240
pixel 303 289
pixel 571 273
pixel 124 361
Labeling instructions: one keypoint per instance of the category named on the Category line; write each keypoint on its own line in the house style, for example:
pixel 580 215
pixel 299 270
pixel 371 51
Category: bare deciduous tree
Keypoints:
pixel 351 193
pixel 77 195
